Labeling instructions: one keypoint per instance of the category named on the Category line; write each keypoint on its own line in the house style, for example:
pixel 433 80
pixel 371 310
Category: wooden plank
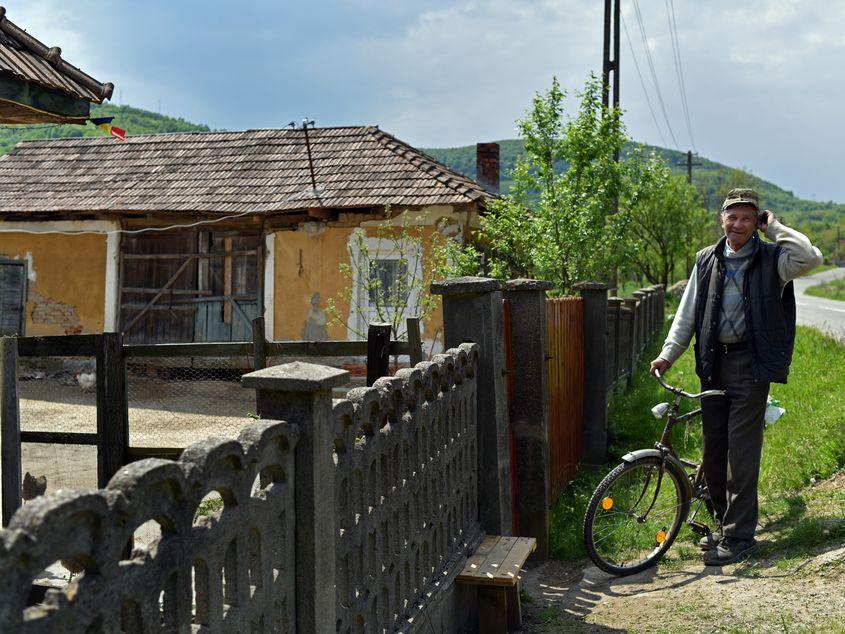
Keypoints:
pixel 514 608
pixel 486 573
pixel 259 344
pixel 159 350
pixel 327 348
pixel 174 291
pixel 10 429
pixel 227 280
pixel 477 558
pixel 161 292
pixel 58 438
pixel 415 351
pixel 112 408
pixel 192 256
pixel 492 611
pixel 512 565
pixel 58 346
pixel 378 352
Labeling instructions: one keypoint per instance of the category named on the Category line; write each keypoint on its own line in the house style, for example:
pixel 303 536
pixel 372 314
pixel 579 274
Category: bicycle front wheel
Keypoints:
pixel 635 514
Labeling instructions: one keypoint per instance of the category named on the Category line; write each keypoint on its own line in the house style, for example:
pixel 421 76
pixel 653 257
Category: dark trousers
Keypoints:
pixel 733 443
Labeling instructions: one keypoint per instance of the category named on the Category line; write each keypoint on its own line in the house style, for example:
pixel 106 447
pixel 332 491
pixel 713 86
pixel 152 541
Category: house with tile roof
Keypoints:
pixel 38 86
pixel 187 237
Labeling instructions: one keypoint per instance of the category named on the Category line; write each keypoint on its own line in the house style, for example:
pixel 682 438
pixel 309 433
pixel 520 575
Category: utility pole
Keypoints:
pixel 611 9
pixel 689 165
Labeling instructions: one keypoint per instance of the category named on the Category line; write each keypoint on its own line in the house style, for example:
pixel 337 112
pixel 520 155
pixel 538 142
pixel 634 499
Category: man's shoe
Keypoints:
pixel 711 540
pixel 729 551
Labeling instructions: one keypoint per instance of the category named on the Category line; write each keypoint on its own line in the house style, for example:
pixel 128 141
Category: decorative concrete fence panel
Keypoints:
pixel 406 490
pixel 230 570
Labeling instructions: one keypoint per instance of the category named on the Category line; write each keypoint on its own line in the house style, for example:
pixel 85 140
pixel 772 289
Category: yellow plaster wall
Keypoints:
pixel 68 290
pixel 306 263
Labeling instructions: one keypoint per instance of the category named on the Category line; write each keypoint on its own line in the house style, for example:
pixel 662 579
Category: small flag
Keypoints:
pixel 104 123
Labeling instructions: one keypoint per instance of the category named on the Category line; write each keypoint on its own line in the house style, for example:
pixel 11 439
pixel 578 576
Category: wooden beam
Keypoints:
pixel 10 429
pixel 159 350
pixel 155 298
pixel 378 352
pixel 58 346
pixel 319 213
pixel 59 438
pixel 112 408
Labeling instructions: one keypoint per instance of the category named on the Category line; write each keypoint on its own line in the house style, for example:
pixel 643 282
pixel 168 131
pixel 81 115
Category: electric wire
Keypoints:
pixel 679 67
pixel 654 73
pixel 642 82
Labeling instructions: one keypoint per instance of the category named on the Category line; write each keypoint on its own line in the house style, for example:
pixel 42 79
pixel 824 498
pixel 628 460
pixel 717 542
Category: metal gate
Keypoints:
pixel 565 333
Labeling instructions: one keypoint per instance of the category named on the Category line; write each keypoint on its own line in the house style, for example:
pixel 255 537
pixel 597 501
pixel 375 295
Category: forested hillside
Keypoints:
pixel 133 120
pixel 819 219
pixel 713 180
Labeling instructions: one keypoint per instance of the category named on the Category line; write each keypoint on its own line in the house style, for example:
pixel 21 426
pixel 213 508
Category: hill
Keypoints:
pixel 133 120
pixel 818 219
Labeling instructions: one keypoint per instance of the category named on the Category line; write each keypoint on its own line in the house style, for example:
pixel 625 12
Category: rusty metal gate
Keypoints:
pixel 565 333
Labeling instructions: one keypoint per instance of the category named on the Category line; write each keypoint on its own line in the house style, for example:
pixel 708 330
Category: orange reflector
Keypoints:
pixel 661 535
pixel 607 504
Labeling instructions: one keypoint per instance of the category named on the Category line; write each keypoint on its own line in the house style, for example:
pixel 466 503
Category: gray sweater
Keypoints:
pixel 798 256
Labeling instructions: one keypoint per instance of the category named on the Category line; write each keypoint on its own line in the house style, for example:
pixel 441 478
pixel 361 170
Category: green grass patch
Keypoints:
pixel 829 290
pixel 822 269
pixel 806 445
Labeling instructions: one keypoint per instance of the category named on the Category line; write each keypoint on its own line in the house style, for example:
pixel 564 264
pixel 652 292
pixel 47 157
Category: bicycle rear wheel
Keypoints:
pixel 635 515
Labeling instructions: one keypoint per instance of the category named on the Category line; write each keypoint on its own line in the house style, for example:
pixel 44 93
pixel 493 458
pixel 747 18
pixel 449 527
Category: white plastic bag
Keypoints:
pixel 773 411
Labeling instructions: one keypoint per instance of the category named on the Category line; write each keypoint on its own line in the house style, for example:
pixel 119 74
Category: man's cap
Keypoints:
pixel 740 196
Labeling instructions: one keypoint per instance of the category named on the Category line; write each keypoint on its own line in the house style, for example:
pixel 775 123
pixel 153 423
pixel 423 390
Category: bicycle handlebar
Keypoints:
pixel 680 392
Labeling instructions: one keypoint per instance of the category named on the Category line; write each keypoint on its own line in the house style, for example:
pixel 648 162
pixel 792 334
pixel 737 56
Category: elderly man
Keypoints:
pixel 739 303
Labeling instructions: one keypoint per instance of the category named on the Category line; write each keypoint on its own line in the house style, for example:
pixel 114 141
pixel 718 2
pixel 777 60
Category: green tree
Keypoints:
pixel 668 223
pixel 556 222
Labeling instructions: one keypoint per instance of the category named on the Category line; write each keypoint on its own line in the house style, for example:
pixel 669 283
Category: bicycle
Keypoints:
pixel 634 516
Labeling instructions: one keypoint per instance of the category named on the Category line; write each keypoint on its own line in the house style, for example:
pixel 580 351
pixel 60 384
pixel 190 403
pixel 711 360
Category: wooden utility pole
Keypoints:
pixel 689 165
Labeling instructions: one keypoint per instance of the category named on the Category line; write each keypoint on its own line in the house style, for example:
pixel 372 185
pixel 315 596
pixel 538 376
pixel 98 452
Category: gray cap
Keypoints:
pixel 742 195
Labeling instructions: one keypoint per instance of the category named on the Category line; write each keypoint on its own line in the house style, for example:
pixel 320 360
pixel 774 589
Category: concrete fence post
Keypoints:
pixel 472 312
pixel 594 295
pixel 615 306
pixel 642 324
pixel 631 304
pixel 301 393
pixel 529 412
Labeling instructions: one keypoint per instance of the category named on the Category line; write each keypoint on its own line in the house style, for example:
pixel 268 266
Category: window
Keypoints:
pixel 386 280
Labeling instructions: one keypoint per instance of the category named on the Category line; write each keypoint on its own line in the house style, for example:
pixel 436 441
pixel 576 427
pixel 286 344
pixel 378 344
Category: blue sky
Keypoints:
pixel 764 78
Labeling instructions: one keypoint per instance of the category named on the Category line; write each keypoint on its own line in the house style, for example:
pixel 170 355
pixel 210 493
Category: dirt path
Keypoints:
pixel 795 588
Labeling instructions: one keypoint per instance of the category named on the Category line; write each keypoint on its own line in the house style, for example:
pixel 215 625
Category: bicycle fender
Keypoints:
pixel 652 453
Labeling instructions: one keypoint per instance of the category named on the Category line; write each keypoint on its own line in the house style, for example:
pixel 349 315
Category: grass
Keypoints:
pixel 830 290
pixel 806 445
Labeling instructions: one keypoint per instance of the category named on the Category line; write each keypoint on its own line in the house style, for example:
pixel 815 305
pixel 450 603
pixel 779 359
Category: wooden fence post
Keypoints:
pixel 378 352
pixel 415 352
pixel 595 372
pixel 259 344
pixel 10 436
pixel 112 412
pixel 641 320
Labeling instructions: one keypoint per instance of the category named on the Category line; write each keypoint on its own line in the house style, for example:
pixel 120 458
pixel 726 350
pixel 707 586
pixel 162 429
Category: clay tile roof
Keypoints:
pixel 227 172
pixel 25 57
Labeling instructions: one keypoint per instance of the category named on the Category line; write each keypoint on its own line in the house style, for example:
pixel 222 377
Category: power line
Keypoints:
pixel 653 72
pixel 642 83
pixel 679 67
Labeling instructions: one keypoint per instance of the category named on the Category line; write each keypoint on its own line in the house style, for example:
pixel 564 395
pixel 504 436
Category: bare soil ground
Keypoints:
pixel 790 586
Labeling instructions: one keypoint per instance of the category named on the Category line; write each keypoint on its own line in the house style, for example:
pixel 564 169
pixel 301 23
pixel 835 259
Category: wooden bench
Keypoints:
pixel 495 567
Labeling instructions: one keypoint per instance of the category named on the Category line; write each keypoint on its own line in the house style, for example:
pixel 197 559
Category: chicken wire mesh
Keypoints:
pixel 58 394
pixel 174 402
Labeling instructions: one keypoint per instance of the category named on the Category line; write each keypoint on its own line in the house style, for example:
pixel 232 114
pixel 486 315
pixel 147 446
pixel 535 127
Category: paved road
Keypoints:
pixel 825 314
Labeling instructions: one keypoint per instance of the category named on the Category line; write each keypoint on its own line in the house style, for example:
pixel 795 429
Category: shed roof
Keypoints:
pixel 227 172
pixel 25 57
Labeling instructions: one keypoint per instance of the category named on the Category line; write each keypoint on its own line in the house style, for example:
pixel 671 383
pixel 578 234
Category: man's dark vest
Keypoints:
pixel 769 311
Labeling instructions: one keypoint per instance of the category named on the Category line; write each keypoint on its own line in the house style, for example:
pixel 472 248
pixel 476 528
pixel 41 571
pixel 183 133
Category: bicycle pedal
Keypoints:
pixel 701 529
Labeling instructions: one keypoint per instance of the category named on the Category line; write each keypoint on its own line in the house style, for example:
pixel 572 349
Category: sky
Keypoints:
pixel 763 78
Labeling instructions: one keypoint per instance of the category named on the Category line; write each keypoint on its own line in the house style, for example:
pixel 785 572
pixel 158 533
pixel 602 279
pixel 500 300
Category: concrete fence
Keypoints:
pixel 352 515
